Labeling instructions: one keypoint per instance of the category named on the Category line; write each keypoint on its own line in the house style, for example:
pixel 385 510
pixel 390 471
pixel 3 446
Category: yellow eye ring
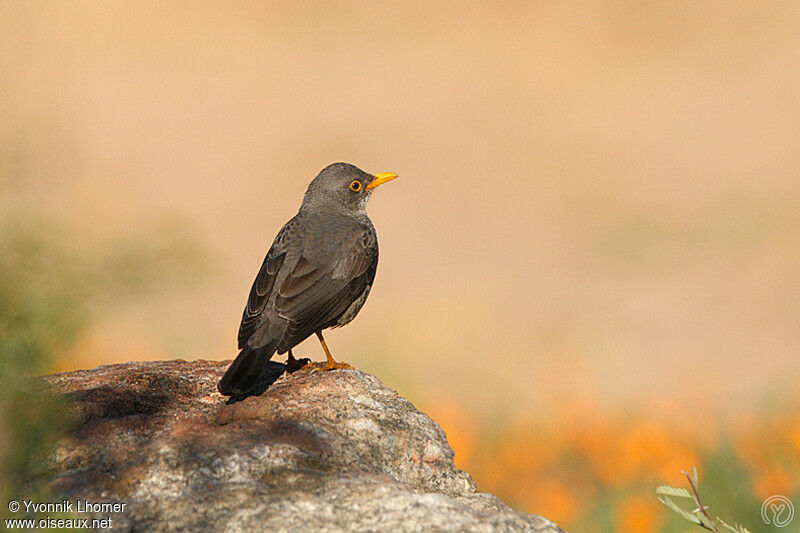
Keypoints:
pixel 355 185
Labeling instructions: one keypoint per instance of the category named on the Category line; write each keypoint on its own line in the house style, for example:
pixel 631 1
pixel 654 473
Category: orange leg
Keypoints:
pixel 331 363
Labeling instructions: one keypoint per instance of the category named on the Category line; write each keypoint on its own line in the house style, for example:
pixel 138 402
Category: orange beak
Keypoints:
pixel 378 179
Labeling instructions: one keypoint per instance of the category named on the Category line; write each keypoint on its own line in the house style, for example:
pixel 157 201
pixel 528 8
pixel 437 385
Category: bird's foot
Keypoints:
pixel 293 365
pixel 324 367
pixel 336 365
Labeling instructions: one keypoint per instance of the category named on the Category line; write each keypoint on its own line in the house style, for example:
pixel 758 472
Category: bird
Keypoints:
pixel 316 275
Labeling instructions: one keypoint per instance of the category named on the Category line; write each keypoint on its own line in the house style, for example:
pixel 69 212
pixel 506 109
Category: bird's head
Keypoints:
pixel 342 185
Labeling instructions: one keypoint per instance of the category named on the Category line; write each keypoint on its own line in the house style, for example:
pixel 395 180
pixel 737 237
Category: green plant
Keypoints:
pixel 48 291
pixel 699 515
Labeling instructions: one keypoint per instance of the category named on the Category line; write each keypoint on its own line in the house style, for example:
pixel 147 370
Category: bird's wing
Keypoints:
pixel 319 290
pixel 264 282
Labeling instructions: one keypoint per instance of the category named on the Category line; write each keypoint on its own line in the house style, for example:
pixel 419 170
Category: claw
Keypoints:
pixel 293 365
pixel 339 365
pixel 326 367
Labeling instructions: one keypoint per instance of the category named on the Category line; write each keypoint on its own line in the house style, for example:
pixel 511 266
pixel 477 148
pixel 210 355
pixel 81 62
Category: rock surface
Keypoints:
pixel 321 451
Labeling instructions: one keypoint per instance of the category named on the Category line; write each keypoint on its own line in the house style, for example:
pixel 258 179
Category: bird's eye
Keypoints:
pixel 355 185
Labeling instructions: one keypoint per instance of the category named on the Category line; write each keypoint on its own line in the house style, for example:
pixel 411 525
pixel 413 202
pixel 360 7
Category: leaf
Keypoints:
pixel 694 478
pixel 687 515
pixel 673 491
pixel 706 522
pixel 736 528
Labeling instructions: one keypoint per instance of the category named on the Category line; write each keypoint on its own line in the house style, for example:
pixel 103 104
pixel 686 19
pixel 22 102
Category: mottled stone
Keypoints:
pixel 321 451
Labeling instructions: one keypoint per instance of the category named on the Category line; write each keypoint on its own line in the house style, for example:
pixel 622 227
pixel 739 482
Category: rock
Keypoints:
pixel 322 451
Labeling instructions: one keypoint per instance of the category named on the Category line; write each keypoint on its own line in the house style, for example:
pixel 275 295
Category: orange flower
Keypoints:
pixel 771 482
pixel 795 436
pixel 551 499
pixel 638 515
pixel 652 453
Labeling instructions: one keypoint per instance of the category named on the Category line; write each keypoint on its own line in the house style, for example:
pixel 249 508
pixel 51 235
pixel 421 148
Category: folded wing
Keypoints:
pixel 318 292
pixel 261 291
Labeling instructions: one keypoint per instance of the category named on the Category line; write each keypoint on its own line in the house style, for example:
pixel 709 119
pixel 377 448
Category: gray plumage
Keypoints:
pixel 317 274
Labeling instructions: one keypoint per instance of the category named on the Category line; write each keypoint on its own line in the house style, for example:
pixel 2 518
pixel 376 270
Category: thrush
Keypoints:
pixel 317 275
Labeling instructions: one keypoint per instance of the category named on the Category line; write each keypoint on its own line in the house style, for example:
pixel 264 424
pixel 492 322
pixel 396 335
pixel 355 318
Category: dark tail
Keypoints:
pixel 245 372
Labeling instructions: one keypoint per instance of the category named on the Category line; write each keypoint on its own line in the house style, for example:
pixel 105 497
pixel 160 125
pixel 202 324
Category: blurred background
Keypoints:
pixel 590 267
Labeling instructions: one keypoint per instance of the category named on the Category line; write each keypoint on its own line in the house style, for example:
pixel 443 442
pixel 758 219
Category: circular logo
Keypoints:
pixel 777 510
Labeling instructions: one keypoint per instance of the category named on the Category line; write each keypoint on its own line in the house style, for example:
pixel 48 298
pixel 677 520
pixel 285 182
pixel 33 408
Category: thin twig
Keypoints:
pixel 699 503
